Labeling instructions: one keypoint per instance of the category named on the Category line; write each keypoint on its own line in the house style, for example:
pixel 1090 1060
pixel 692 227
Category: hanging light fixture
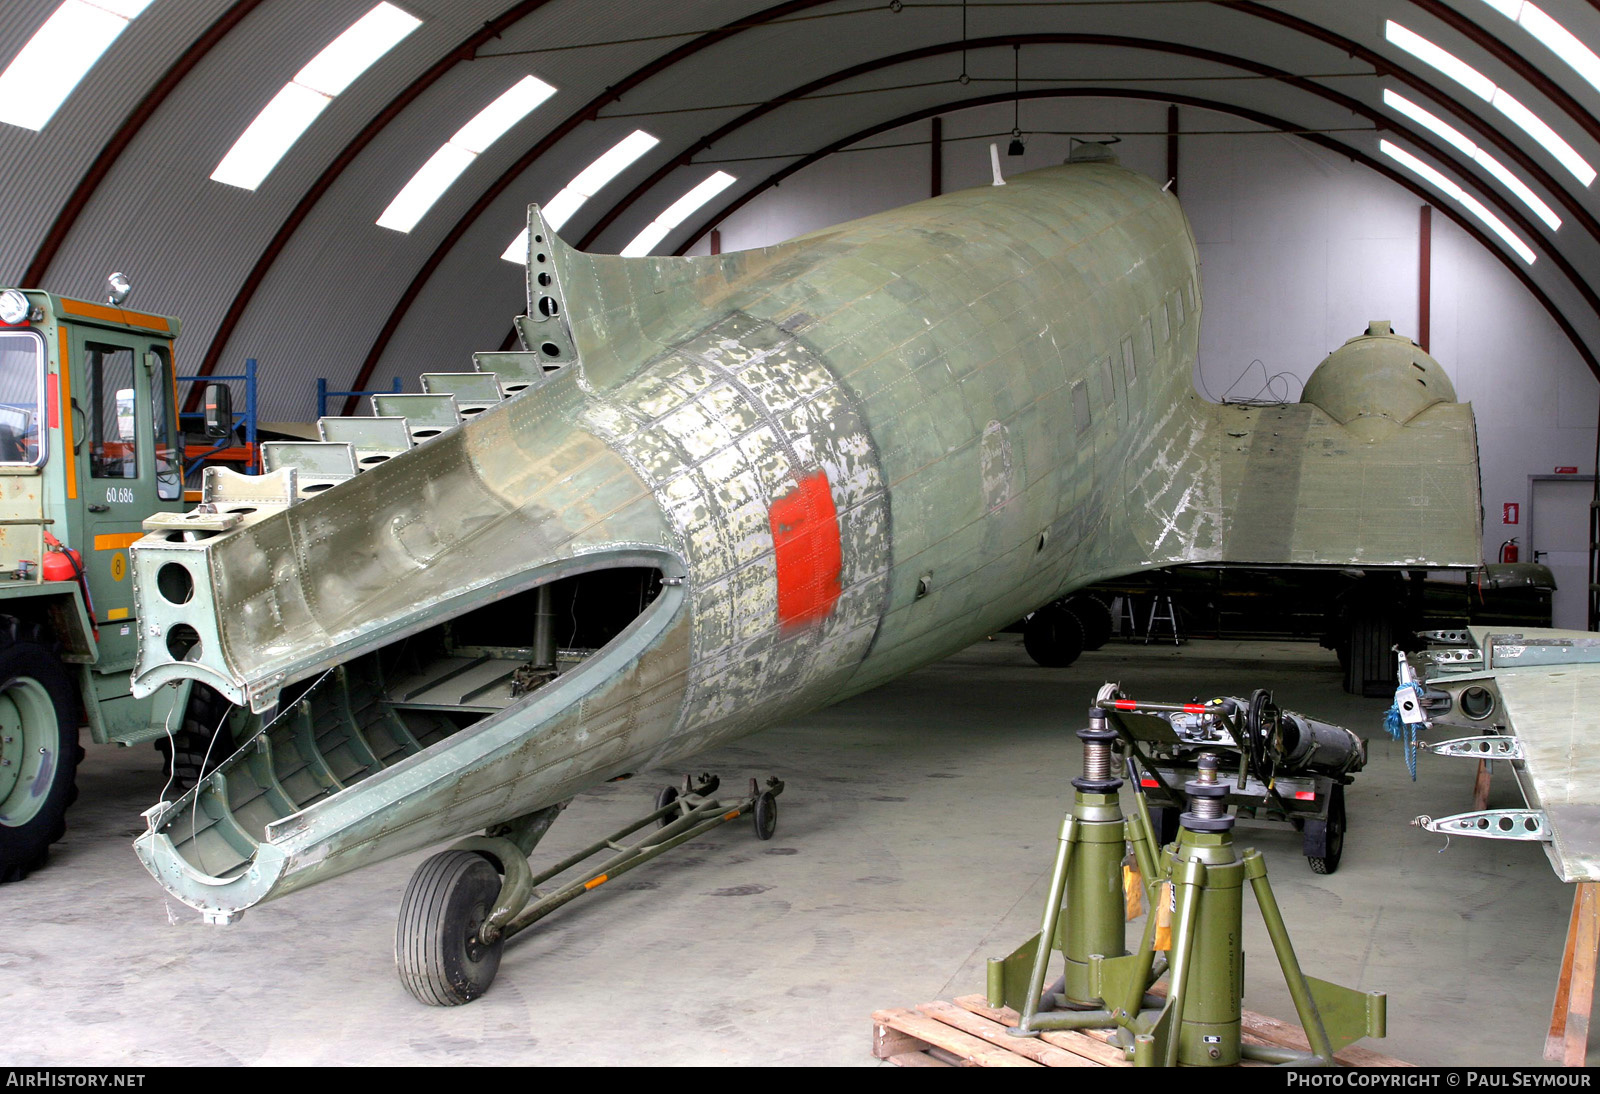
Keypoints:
pixel 964 79
pixel 1016 147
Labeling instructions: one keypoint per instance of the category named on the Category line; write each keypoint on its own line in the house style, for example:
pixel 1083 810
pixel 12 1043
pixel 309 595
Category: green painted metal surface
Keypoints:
pixel 103 369
pixel 844 457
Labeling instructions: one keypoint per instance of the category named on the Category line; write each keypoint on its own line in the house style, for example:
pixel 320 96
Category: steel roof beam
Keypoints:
pixel 1323 140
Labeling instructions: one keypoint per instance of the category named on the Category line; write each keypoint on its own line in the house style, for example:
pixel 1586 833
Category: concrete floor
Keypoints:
pixel 915 840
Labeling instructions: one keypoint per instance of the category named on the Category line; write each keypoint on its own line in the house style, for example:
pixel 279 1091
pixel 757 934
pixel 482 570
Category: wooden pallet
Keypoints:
pixel 970 1033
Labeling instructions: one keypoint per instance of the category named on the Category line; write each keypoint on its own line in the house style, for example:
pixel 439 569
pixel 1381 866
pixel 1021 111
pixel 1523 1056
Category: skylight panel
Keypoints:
pixel 1466 200
pixel 1435 124
pixel 433 178
pixel 676 213
pixel 357 49
pixel 1554 36
pixel 1548 138
pixel 291 112
pixel 1441 59
pixel 491 123
pixel 1503 101
pixel 518 250
pixel 607 167
pixel 559 209
pixel 1402 105
pixel 59 55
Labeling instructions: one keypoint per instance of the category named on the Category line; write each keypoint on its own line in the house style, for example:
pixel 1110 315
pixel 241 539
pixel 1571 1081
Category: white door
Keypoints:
pixel 1559 537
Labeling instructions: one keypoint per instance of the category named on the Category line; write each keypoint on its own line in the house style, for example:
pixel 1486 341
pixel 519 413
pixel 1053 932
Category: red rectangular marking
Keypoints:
pixel 805 540
pixel 52 400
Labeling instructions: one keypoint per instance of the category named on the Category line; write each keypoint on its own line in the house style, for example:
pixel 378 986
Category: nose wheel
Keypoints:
pixel 436 947
pixel 483 887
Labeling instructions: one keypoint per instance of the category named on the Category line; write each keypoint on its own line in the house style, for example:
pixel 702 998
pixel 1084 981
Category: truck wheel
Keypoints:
pixel 1370 664
pixel 186 754
pixel 436 947
pixel 39 750
pixel 1053 637
pixel 1094 617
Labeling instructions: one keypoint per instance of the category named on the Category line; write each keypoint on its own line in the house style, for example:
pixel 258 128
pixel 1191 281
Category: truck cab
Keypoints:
pixel 89 447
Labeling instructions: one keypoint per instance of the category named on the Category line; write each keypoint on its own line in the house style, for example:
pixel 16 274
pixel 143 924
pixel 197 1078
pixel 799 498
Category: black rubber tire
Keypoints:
pixel 435 951
pixel 666 797
pixel 1053 637
pixel 1094 617
pixel 1323 840
pixel 192 752
pixel 1370 663
pixel 764 816
pixel 34 686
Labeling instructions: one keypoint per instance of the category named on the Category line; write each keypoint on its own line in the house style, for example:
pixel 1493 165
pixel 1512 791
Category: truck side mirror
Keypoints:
pixel 219 411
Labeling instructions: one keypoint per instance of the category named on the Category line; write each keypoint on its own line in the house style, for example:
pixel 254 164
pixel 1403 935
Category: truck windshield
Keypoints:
pixel 21 398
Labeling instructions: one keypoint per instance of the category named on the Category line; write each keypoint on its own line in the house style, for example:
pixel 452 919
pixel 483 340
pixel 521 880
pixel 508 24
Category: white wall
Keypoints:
pixel 1299 249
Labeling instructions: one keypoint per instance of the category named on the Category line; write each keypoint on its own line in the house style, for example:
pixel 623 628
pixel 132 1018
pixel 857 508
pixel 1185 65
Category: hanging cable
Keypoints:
pixel 1016 147
pixel 964 78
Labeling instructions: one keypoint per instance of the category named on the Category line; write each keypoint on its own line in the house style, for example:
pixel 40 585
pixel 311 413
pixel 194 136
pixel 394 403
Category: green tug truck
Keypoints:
pixel 89 446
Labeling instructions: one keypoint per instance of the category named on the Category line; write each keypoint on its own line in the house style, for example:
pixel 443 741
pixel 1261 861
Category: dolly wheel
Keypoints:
pixel 436 947
pixel 668 795
pixel 1323 840
pixel 765 815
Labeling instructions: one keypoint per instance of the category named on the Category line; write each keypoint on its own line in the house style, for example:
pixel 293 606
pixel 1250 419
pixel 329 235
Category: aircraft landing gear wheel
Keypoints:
pixel 39 752
pixel 1323 840
pixel 436 947
pixel 668 795
pixel 765 815
pixel 1095 619
pixel 1053 637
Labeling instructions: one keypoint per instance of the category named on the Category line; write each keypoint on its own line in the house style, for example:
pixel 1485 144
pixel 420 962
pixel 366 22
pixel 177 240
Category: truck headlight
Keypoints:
pixel 13 307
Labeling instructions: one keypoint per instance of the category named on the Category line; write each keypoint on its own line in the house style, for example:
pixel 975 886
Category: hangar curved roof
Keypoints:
pixel 320 116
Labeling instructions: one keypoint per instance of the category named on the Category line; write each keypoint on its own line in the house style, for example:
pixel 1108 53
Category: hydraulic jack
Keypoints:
pixel 1192 936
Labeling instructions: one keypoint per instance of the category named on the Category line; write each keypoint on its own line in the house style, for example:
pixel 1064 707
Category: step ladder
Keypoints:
pixel 1169 617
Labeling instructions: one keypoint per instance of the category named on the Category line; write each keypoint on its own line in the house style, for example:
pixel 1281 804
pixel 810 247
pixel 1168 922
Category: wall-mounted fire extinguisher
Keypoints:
pixel 1508 550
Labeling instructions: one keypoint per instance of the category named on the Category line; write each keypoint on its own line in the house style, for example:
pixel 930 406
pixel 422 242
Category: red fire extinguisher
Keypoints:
pixel 61 563
pixel 1508 550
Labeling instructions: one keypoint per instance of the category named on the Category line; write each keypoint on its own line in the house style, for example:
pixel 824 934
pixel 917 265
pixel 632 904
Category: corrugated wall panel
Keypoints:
pixel 38 170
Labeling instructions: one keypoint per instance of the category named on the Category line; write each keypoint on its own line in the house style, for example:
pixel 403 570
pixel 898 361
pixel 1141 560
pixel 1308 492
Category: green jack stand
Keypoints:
pixel 1087 885
pixel 1198 1023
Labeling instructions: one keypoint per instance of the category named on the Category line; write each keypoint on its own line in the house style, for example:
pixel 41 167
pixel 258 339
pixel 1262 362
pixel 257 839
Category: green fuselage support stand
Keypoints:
pixel 1085 913
pixel 1192 936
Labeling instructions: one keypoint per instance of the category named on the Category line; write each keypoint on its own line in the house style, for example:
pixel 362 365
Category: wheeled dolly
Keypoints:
pixel 1287 768
pixel 463 905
